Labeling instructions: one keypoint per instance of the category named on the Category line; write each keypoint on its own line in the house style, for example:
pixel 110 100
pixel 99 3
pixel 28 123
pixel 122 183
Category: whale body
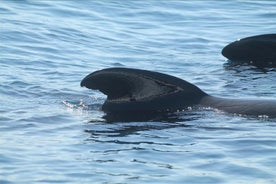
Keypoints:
pixel 141 91
pixel 257 50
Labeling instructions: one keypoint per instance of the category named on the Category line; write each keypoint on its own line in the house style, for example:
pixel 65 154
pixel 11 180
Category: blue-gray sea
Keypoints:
pixel 53 131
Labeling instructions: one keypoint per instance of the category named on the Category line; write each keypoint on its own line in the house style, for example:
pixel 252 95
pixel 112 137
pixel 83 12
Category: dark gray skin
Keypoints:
pixel 255 50
pixel 142 91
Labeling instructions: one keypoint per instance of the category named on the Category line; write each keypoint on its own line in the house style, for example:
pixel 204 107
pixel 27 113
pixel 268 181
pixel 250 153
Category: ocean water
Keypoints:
pixel 53 131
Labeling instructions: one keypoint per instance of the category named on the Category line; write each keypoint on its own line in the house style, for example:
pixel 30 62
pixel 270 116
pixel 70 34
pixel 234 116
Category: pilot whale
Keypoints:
pixel 134 90
pixel 257 50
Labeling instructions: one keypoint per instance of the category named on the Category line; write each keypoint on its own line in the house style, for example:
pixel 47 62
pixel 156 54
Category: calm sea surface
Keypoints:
pixel 53 131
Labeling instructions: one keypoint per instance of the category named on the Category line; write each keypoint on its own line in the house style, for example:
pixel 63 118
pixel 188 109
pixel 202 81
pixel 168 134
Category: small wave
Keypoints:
pixel 91 103
pixel 75 105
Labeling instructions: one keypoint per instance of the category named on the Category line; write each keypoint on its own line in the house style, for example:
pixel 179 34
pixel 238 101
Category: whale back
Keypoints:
pixel 251 107
pixel 256 50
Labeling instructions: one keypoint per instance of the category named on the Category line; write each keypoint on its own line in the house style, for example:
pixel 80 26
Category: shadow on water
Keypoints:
pixel 241 67
pixel 246 79
pixel 121 125
pixel 145 116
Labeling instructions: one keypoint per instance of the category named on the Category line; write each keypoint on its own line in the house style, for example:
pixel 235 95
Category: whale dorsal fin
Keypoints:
pixel 142 90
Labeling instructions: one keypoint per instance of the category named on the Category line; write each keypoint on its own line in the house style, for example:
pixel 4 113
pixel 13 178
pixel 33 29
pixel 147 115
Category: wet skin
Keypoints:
pixel 257 50
pixel 141 91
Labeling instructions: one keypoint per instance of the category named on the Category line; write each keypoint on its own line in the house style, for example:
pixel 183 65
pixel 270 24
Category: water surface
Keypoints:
pixel 53 131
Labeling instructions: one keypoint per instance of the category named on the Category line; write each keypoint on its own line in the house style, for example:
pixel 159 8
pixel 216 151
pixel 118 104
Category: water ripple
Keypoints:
pixel 52 127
